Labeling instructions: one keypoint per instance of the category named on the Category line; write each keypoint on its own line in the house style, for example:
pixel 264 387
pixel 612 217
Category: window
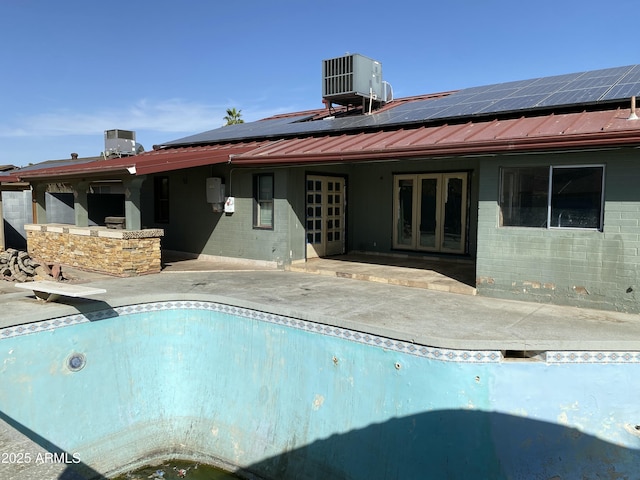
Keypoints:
pixel 552 197
pixel 263 201
pixel 161 199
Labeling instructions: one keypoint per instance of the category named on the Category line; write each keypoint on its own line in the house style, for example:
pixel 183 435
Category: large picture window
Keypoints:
pixel 552 197
pixel 263 201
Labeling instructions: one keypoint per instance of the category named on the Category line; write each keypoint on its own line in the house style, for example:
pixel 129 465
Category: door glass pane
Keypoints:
pixel 428 209
pixel 405 212
pixel 314 211
pixel 453 206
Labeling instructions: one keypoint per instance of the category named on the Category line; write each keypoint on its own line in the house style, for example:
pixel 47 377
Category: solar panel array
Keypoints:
pixel 578 88
pixel 585 88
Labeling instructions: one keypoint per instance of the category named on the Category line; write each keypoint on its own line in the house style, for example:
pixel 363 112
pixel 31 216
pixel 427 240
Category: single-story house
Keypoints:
pixel 535 181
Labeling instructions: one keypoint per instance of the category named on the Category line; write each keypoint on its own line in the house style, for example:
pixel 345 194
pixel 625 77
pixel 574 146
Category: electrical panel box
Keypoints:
pixel 230 205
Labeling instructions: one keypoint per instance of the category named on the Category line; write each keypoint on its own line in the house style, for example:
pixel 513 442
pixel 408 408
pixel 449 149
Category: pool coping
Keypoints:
pixel 432 319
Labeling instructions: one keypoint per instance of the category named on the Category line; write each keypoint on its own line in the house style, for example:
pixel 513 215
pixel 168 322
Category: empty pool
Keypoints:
pixel 275 397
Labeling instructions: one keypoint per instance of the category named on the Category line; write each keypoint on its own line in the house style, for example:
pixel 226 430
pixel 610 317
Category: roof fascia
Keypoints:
pixel 102 174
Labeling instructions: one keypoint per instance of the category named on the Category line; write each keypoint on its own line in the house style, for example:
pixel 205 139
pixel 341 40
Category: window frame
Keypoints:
pixel 258 202
pixel 161 202
pixel 549 197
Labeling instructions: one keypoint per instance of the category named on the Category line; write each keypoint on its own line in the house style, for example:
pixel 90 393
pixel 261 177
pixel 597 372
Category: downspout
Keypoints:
pixel 231 155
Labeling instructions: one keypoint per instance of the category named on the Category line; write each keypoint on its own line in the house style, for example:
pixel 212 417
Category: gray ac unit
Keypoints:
pixel 119 142
pixel 352 80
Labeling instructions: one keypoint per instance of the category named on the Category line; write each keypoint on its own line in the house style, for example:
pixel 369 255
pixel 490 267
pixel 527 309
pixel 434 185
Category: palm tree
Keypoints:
pixel 233 116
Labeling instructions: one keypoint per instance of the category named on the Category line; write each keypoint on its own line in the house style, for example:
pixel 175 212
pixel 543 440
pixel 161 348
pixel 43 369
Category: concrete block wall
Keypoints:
pixel 586 268
pixel 371 196
pixel 16 209
pixel 17 212
pixel 116 252
pixel 60 208
pixel 195 228
pixel 235 235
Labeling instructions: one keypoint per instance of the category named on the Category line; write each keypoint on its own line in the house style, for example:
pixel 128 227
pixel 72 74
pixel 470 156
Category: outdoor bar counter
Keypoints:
pixel 119 252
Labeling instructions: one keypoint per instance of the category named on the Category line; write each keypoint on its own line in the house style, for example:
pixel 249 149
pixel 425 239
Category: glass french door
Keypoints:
pixel 430 212
pixel 325 216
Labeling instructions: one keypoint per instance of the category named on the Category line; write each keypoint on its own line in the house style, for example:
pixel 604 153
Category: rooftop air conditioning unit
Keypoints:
pixel 352 80
pixel 119 142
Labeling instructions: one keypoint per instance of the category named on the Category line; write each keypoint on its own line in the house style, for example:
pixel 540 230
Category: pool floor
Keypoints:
pixel 176 469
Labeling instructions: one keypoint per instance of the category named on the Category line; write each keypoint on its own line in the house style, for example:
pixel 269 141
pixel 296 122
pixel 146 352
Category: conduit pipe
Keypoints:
pixel 633 115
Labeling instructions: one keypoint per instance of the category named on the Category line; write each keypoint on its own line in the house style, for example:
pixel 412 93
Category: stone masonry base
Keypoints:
pixel 121 253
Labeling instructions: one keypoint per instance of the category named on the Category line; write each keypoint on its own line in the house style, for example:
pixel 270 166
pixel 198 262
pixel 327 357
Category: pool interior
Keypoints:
pixel 177 469
pixel 282 398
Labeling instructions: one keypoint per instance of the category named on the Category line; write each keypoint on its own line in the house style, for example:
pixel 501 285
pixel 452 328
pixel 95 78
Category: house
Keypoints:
pixel 534 181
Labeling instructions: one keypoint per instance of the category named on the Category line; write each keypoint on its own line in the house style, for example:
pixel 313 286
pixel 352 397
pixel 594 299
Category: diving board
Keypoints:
pixel 51 291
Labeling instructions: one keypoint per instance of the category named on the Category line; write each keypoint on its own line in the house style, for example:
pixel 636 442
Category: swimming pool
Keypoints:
pixel 284 398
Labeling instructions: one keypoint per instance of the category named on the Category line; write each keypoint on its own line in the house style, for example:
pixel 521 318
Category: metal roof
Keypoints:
pixel 399 130
pixel 556 131
pixel 585 129
pixel 155 161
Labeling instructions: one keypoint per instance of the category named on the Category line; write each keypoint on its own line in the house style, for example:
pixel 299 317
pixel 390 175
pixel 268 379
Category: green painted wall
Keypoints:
pixel 370 197
pixel 573 267
pixel 195 228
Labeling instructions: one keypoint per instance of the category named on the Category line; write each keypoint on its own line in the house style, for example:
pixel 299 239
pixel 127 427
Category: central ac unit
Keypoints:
pixel 352 79
pixel 119 142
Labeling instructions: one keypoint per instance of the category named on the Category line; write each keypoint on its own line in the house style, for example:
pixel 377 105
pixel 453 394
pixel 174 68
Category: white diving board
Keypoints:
pixel 51 291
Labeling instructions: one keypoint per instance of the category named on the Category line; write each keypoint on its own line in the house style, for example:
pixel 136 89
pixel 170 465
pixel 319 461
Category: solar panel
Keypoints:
pixel 511 104
pixel 628 86
pixel 586 88
pixel 575 88
pixel 240 131
pixel 624 90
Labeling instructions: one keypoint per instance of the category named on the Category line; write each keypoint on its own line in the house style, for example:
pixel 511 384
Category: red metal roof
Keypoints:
pixel 585 129
pixel 148 162
pixel 8 178
pixel 165 160
pixel 561 131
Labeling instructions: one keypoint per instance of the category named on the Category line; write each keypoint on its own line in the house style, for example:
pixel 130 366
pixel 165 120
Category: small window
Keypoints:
pixel 161 199
pixel 552 197
pixel 263 201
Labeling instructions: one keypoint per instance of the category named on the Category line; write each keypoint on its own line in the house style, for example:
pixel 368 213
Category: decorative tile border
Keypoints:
pixel 593 357
pixel 433 353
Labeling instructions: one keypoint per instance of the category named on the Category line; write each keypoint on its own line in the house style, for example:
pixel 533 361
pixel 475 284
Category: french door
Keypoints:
pixel 325 216
pixel 430 212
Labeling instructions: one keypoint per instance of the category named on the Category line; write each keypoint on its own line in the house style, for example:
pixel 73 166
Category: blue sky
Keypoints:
pixel 167 69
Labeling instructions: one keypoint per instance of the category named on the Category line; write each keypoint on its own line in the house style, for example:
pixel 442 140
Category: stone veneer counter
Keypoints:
pixel 99 249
